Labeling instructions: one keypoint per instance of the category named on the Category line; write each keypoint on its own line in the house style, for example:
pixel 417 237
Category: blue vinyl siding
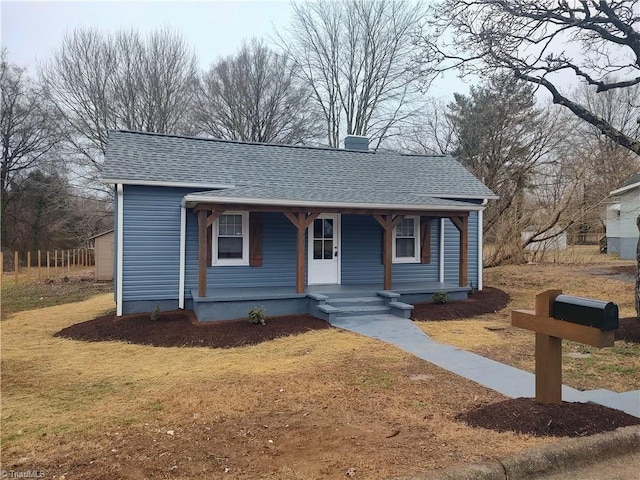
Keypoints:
pixel 452 251
pixel 361 250
pixel 152 250
pixel 362 254
pixel 151 242
pixel 278 258
pixel 419 272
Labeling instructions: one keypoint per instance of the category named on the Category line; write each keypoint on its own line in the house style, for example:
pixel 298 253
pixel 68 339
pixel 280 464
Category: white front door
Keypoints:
pixel 324 250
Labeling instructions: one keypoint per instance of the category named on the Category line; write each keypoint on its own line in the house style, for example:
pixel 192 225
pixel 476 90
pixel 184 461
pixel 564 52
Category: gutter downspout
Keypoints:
pixel 120 253
pixel 480 245
pixel 441 251
pixel 183 241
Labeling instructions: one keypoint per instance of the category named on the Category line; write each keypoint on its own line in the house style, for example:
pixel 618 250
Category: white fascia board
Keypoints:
pixel 625 189
pixel 154 183
pixel 190 201
pixel 467 197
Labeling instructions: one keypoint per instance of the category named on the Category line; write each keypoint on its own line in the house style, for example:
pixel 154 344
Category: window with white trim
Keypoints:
pixel 231 239
pixel 406 241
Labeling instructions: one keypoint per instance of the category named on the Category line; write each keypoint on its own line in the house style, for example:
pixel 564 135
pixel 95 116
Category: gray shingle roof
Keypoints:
pixel 629 184
pixel 631 180
pixel 280 171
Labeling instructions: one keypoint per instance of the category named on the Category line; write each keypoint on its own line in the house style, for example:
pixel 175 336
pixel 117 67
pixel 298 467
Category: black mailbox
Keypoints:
pixel 585 311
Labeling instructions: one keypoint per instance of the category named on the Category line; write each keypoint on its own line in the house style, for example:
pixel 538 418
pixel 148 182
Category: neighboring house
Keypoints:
pixel 556 239
pixel 622 211
pixel 103 254
pixel 221 227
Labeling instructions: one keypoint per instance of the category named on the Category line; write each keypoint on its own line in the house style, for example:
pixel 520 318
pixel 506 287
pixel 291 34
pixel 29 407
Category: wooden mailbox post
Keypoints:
pixel 549 335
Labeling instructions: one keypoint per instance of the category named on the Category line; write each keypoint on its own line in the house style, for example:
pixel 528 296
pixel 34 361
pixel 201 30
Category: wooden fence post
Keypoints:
pixel 29 266
pixel 1 267
pixel 39 263
pixel 15 266
pixel 48 263
pixel 68 262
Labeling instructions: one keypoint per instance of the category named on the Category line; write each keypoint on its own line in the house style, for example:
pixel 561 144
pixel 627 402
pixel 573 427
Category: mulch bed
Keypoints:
pixel 489 300
pixel 180 329
pixel 568 419
pixel 628 330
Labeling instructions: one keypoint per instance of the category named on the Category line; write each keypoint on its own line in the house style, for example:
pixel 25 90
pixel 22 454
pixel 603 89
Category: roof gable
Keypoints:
pixel 145 158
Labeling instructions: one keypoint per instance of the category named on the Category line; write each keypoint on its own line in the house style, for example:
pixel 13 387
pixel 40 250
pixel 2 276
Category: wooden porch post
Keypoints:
pixel 301 221
pixel 388 223
pixel 202 253
pixel 462 224
pixel 205 220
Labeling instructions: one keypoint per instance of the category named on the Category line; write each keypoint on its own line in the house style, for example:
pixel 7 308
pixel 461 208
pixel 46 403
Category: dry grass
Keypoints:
pixel 58 288
pixel 581 273
pixel 328 400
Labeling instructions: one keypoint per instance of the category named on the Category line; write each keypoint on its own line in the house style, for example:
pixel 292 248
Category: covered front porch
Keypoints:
pixel 322 301
pixel 361 242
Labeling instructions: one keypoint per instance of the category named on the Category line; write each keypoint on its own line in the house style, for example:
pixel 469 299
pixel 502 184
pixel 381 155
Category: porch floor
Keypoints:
pixel 261 293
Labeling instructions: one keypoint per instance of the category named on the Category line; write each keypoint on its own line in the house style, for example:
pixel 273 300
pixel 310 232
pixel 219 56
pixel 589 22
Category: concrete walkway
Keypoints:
pixel 502 378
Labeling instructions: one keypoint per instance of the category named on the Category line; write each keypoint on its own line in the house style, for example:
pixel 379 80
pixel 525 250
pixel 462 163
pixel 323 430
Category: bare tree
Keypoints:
pixel 430 131
pixel 595 41
pixel 122 81
pixel 255 95
pixel 506 141
pixel 355 55
pixel 604 163
pixel 28 133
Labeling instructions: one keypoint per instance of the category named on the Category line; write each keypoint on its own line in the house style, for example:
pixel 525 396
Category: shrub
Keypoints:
pixel 440 297
pixel 257 316
pixel 155 314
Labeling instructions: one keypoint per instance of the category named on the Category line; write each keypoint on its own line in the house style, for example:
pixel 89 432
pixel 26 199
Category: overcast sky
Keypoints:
pixel 31 30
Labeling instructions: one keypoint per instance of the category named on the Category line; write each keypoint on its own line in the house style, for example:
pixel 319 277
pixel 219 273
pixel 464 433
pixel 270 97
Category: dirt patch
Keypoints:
pixel 624 273
pixel 489 300
pixel 526 416
pixel 179 328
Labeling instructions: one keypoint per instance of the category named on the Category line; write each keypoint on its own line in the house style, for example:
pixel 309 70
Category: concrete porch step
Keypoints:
pixel 355 301
pixel 363 310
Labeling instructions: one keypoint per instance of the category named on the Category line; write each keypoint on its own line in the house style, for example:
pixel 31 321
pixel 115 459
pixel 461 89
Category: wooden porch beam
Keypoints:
pixel 202 253
pixel 301 220
pixel 293 218
pixel 300 258
pixel 462 224
pixel 425 239
pixel 319 210
pixel 310 219
pixel 388 222
pixel 213 217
